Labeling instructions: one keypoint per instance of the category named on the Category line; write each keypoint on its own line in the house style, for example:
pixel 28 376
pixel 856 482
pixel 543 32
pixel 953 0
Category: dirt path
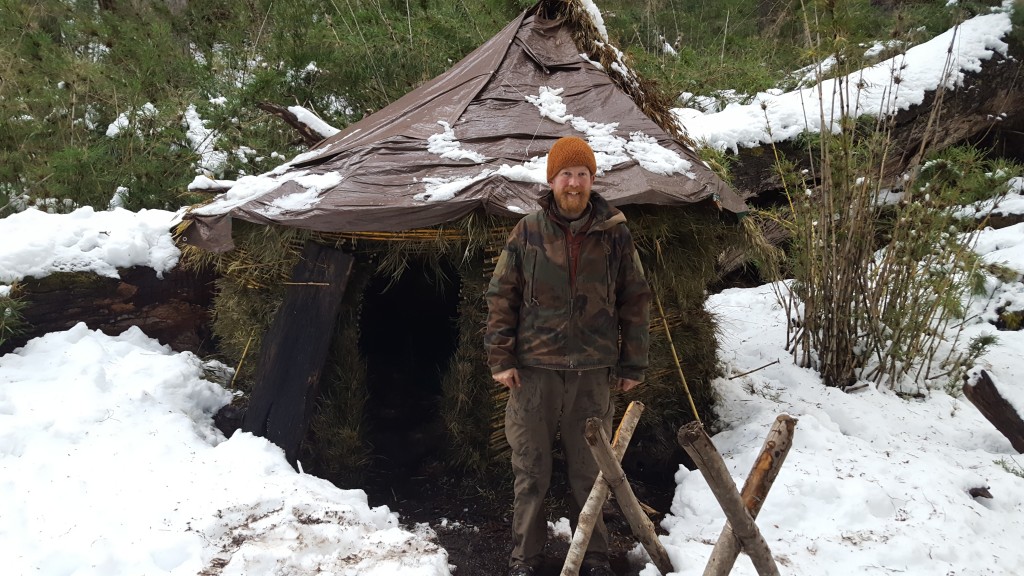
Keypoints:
pixel 472 522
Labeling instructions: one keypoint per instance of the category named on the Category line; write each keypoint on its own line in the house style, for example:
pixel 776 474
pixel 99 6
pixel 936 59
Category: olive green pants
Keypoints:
pixel 546 400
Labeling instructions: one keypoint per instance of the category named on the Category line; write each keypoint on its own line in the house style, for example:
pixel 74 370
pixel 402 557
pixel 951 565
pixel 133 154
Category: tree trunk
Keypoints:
pixel 174 309
pixel 309 136
pixel 988 105
pixel 987 110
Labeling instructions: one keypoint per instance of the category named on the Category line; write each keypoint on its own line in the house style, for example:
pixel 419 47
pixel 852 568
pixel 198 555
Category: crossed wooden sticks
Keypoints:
pixel 739 533
pixel 740 509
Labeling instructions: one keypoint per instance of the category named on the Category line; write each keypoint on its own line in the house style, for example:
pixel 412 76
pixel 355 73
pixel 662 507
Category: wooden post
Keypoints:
pixel 616 479
pixel 294 350
pixel 599 493
pixel 755 489
pixel 986 397
pixel 695 441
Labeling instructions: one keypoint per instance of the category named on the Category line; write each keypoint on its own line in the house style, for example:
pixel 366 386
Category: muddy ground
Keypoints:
pixel 472 521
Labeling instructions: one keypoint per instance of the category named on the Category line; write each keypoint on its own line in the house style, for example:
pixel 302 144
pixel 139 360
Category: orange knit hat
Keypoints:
pixel 570 151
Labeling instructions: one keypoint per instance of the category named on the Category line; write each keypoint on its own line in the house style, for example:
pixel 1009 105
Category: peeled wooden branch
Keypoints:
pixel 755 489
pixel 310 136
pixel 695 441
pixel 599 493
pixel 616 478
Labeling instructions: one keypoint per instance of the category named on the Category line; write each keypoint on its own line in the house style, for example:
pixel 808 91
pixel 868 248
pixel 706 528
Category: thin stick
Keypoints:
pixel 366 46
pixel 255 45
pixel 242 359
pixel 754 370
pixel 725 35
pixel 675 356
pixel 408 18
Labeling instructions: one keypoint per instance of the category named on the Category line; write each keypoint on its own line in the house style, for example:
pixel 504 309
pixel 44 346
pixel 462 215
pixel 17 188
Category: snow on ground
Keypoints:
pixel 110 464
pixel 885 88
pixel 873 484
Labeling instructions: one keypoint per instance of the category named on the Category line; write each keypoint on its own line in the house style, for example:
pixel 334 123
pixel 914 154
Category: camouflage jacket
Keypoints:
pixel 537 317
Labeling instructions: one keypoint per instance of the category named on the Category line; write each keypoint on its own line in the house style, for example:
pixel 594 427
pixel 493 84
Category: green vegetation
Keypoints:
pixel 747 47
pixel 11 322
pixel 70 69
pixel 880 276
pixel 1011 466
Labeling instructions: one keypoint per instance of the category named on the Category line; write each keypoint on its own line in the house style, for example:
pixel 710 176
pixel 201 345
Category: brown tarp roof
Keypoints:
pixel 385 172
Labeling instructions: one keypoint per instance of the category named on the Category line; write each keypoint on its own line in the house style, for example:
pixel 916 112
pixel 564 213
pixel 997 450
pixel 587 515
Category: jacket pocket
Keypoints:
pixel 530 271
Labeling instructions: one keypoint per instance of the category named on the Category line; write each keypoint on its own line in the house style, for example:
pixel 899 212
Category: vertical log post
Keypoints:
pixel 762 475
pixel 616 479
pixel 695 441
pixel 599 493
pixel 294 350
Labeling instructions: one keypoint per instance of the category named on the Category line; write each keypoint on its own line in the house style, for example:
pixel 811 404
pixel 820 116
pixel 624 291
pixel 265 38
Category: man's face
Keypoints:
pixel 572 190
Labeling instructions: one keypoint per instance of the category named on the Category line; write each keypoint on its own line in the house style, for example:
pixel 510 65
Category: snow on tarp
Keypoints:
pixel 474 138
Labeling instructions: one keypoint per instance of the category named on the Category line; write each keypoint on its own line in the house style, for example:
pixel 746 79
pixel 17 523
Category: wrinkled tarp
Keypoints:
pixel 378 174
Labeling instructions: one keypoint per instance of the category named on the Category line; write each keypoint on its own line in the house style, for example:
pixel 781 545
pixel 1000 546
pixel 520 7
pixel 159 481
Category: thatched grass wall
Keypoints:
pixel 679 248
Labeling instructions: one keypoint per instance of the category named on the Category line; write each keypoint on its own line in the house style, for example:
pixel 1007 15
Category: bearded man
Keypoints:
pixel 568 313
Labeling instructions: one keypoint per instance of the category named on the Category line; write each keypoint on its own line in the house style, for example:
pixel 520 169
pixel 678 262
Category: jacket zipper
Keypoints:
pixel 567 236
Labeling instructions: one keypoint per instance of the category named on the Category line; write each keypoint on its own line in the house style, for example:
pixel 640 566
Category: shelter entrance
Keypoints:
pixel 408 333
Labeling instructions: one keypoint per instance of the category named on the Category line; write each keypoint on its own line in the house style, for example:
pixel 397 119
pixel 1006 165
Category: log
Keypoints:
pixel 987 111
pixel 987 108
pixel 1003 415
pixel 309 135
pixel 294 350
pixel 762 475
pixel 642 527
pixel 695 441
pixel 173 307
pixel 599 493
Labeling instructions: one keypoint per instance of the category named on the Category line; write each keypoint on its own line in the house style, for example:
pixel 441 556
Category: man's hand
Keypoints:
pixel 626 384
pixel 508 378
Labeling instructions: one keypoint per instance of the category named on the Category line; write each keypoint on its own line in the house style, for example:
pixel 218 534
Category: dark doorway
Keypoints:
pixel 408 333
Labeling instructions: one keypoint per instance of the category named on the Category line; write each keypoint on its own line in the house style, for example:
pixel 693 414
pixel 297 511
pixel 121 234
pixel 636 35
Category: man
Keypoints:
pixel 568 312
